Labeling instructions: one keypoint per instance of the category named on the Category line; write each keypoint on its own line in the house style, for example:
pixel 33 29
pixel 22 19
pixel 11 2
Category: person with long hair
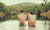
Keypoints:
pixel 31 19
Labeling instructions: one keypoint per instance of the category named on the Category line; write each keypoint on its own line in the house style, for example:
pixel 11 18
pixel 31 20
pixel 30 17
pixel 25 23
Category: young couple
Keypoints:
pixel 31 18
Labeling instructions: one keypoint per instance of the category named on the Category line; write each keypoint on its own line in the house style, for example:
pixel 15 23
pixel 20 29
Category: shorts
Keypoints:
pixel 31 24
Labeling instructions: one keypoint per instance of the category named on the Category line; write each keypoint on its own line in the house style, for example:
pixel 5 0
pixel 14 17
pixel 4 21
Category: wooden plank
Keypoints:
pixel 46 14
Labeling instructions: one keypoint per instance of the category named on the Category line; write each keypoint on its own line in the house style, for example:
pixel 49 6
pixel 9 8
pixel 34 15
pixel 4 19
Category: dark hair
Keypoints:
pixel 31 12
pixel 21 11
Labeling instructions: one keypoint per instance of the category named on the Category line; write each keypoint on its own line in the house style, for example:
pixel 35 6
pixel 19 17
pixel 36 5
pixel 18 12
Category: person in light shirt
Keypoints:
pixel 22 18
pixel 31 19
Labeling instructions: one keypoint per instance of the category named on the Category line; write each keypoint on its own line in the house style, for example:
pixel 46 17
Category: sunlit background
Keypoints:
pixel 11 2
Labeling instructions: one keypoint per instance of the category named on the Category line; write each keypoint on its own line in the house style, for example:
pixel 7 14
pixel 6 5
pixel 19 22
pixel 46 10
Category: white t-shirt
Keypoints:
pixel 32 17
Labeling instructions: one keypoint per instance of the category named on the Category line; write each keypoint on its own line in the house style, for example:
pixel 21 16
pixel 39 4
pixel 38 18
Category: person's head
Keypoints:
pixel 22 11
pixel 31 12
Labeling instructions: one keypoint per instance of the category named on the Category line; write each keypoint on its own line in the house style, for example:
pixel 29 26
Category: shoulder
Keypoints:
pixel 25 15
pixel 29 15
pixel 17 15
pixel 34 15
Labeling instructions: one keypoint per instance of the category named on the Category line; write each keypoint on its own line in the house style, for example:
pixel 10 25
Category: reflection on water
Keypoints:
pixel 47 26
pixel 31 28
pixel 22 28
pixel 12 25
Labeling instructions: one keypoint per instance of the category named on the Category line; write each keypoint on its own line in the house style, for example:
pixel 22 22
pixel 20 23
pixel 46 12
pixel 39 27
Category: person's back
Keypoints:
pixel 32 17
pixel 22 17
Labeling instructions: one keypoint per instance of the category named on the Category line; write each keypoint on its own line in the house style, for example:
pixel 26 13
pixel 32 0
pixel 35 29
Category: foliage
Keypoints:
pixel 2 6
pixel 26 7
pixel 47 6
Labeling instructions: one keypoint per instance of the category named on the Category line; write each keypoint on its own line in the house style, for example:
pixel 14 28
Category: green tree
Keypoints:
pixel 46 6
pixel 2 6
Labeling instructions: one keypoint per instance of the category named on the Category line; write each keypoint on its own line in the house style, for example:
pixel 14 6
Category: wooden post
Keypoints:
pixel 49 15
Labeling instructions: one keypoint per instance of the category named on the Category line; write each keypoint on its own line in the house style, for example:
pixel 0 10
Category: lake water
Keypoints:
pixel 14 25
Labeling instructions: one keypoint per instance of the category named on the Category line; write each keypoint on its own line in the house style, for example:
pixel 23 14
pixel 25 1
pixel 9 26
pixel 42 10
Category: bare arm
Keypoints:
pixel 18 17
pixel 35 18
pixel 25 18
